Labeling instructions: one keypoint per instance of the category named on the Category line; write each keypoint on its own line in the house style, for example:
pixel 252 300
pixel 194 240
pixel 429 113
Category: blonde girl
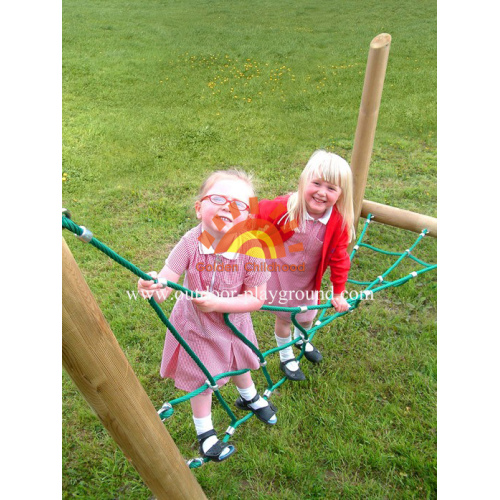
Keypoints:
pixel 316 222
pixel 239 288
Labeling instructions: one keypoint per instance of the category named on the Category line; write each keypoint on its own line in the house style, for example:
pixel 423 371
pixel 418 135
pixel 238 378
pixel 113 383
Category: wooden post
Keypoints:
pixel 99 368
pixel 367 118
pixel 404 219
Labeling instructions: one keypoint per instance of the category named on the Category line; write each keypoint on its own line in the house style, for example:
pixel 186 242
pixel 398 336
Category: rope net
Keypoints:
pixel 371 287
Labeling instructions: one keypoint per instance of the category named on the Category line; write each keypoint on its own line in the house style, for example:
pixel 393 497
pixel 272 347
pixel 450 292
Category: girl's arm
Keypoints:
pixel 251 299
pixel 271 209
pixel 340 263
pixel 148 288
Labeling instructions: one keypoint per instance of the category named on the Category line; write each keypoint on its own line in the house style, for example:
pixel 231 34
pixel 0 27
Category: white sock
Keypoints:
pixel 287 353
pixel 204 425
pixel 296 334
pixel 249 393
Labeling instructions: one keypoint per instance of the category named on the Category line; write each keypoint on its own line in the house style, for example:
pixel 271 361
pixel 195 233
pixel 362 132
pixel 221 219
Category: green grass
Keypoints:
pixel 156 96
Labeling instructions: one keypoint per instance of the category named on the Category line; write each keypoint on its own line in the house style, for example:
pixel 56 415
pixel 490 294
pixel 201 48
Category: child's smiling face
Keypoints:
pixel 320 195
pixel 218 219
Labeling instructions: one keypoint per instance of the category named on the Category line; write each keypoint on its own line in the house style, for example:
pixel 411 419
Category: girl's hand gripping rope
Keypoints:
pixel 149 289
pixel 340 304
pixel 208 302
pixel 250 299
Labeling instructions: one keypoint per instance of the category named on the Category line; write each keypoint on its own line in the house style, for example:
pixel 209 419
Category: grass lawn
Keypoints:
pixel 157 95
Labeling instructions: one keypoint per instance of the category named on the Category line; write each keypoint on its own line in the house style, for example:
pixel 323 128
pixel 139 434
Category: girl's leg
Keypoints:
pixel 202 405
pixel 243 381
pixel 282 328
pixel 252 400
pixel 305 326
pixel 296 333
pixel 247 390
pixel 288 364
pixel 282 334
pixel 202 417
pixel 311 353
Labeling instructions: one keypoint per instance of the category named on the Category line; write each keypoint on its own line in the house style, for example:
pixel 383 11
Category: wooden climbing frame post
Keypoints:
pixel 376 66
pixel 367 118
pixel 95 362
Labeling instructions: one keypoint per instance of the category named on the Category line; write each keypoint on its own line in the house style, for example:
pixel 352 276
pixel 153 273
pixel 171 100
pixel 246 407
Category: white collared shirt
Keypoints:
pixel 207 251
pixel 324 220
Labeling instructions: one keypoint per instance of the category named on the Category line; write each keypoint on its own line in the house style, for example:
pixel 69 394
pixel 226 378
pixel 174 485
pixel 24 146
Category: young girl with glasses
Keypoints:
pixel 237 287
pixel 316 222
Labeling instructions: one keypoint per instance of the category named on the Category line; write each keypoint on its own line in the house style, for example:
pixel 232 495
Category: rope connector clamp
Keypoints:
pixel 380 278
pixel 166 408
pixel 86 235
pixel 230 430
pixel 267 393
pixel 263 363
pixel 198 461
pixel 213 387
pixel 414 274
pixel 162 282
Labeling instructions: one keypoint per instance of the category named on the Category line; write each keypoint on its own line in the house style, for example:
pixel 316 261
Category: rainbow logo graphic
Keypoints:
pixel 254 237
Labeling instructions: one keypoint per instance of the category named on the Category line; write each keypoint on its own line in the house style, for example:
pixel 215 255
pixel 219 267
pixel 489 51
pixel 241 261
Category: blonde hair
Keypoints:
pixel 232 173
pixel 333 169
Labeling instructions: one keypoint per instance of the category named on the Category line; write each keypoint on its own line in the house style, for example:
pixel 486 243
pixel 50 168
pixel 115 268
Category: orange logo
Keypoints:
pixel 254 237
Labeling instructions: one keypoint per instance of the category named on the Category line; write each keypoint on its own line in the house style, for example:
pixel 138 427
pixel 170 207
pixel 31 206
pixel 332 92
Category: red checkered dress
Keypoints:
pixel 297 287
pixel 206 333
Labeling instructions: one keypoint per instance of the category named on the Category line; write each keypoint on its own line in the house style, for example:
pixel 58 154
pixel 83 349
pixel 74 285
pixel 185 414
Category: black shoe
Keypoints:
pixel 297 375
pixel 313 356
pixel 264 414
pixel 215 451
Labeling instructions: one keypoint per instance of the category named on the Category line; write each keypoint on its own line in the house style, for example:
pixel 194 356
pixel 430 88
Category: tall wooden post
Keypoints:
pixel 99 368
pixel 367 118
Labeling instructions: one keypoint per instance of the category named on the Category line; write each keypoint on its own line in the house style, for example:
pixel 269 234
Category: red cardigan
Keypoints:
pixel 334 252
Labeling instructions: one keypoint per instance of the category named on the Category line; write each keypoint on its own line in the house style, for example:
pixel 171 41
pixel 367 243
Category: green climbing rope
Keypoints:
pixel 167 409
